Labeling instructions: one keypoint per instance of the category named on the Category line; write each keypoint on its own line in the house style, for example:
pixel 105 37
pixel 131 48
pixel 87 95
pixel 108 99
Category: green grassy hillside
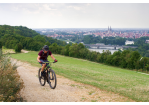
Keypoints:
pixel 125 82
pixel 13 36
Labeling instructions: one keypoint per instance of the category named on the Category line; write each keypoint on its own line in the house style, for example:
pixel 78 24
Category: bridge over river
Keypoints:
pixel 108 46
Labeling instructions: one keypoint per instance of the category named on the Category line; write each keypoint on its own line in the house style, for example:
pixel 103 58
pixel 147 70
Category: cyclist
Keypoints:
pixel 42 57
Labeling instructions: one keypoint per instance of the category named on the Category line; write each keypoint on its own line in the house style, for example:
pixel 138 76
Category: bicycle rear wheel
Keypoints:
pixel 52 79
pixel 41 78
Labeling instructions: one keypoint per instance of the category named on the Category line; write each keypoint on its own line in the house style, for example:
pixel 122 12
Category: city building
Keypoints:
pixel 147 41
pixel 129 42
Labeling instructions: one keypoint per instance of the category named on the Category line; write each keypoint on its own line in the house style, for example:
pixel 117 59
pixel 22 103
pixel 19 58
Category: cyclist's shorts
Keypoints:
pixel 44 61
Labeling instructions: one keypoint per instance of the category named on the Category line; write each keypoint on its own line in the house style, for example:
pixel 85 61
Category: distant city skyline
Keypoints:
pixel 75 15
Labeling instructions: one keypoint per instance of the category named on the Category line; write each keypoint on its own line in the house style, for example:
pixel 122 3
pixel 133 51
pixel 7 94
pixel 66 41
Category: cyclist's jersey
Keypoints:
pixel 44 55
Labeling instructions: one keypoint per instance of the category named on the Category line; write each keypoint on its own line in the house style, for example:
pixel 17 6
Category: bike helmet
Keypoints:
pixel 46 48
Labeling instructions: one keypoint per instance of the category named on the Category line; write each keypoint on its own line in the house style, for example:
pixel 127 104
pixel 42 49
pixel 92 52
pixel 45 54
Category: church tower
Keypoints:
pixel 108 28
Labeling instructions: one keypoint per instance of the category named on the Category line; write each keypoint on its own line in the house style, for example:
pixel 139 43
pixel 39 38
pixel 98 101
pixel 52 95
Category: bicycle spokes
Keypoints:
pixel 41 78
pixel 52 79
pixel 51 76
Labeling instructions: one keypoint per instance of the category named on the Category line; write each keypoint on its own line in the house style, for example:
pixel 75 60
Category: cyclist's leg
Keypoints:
pixel 43 65
pixel 46 61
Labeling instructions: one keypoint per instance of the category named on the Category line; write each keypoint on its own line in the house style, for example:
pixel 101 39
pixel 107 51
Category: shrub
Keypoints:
pixel 10 83
pixel 18 48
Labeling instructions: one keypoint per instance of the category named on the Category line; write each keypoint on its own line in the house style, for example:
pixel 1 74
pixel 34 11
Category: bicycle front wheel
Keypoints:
pixel 52 79
pixel 41 78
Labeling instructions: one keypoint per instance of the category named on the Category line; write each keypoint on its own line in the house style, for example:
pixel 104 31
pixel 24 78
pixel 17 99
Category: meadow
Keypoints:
pixel 132 84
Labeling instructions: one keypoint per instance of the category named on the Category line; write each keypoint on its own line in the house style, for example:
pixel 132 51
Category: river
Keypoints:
pixel 101 50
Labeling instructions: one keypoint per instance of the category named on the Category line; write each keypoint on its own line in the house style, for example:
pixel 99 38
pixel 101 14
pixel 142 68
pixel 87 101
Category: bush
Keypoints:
pixel 18 48
pixel 10 83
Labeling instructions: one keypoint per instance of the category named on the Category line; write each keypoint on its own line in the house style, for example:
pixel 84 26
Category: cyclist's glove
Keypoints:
pixel 55 60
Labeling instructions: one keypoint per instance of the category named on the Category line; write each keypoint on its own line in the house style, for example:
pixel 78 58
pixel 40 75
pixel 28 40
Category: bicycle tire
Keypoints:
pixel 52 79
pixel 41 79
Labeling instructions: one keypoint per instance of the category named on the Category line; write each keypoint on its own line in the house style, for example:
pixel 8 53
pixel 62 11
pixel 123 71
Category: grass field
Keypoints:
pixel 125 82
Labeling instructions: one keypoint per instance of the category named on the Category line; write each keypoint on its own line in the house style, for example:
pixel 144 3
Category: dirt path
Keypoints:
pixel 66 90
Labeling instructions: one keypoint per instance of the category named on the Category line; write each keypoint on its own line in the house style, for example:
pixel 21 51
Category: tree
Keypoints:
pixel 93 56
pixel 54 48
pixel 83 53
pixel 104 56
pixel 135 57
pixel 39 38
pixel 116 58
pixel 67 50
pixel 63 51
pixel 18 48
pixel 88 39
pixel 73 50
pixel 48 43
pixel 1 45
pixel 124 56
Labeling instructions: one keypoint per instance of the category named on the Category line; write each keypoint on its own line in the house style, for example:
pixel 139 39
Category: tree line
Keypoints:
pixel 125 59
pixel 90 39
pixel 18 37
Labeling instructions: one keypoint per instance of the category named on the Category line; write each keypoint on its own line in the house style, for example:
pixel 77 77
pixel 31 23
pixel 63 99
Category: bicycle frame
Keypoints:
pixel 48 66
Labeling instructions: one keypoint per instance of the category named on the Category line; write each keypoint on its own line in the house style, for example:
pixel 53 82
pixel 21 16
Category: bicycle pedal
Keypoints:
pixel 41 77
pixel 52 79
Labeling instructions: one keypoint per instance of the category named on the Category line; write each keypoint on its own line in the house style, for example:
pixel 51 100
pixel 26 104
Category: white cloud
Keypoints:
pixel 88 4
pixel 77 8
pixel 74 7
pixel 46 6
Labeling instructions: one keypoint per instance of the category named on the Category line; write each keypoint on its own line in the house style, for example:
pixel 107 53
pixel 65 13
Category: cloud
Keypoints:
pixel 30 8
pixel 47 7
pixel 77 8
pixel 74 7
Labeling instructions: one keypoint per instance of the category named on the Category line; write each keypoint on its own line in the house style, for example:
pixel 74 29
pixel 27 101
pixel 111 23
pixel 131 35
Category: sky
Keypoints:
pixel 75 15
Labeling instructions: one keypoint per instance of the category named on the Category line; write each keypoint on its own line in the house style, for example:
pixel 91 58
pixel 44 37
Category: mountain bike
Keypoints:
pixel 49 77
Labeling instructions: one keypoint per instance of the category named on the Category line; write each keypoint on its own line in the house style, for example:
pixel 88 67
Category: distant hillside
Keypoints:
pixel 17 30
pixel 11 36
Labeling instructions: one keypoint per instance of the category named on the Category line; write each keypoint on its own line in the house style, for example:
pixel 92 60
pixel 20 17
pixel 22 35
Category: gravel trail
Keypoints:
pixel 66 90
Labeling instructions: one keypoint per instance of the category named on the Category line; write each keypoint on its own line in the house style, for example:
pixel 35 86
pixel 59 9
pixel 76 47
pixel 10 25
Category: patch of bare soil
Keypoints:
pixel 24 51
pixel 12 51
pixel 65 91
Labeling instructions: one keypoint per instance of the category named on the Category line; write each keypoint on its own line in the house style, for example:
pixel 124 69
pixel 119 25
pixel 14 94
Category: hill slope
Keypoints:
pixel 29 39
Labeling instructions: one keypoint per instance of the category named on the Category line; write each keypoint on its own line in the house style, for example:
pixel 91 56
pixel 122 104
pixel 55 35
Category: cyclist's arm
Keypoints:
pixel 52 57
pixel 38 58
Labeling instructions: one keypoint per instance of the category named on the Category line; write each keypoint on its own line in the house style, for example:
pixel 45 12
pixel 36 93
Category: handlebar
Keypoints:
pixel 47 62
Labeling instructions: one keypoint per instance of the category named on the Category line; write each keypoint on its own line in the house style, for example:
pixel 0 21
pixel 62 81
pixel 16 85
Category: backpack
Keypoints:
pixel 43 53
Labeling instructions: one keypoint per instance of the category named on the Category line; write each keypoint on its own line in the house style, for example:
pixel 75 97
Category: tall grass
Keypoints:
pixel 10 82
